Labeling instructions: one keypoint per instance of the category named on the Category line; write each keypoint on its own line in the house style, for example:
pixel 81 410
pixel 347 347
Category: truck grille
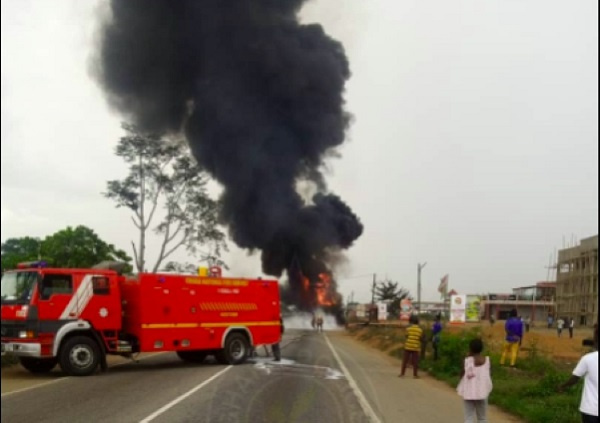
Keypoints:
pixel 11 329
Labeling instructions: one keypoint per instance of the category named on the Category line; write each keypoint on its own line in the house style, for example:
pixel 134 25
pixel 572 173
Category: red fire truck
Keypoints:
pixel 76 317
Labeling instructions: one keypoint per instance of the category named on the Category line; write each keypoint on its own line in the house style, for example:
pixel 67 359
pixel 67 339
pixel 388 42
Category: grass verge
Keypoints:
pixel 529 391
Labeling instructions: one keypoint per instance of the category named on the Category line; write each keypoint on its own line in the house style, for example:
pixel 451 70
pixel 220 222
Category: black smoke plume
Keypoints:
pixel 259 97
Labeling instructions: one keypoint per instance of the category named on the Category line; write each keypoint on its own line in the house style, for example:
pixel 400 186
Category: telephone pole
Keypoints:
pixel 373 289
pixel 420 267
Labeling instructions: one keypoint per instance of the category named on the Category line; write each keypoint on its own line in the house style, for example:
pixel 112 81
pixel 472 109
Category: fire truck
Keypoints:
pixel 76 317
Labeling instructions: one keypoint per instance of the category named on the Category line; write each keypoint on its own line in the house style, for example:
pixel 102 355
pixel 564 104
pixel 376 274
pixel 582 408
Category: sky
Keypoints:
pixel 474 146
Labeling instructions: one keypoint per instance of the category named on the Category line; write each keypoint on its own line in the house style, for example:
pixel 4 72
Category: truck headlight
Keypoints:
pixel 26 334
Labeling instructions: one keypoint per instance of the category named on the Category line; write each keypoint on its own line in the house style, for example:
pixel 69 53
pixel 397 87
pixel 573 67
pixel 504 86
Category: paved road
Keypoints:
pixel 309 385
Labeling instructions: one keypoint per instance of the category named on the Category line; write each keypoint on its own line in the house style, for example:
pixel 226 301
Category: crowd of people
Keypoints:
pixel 476 381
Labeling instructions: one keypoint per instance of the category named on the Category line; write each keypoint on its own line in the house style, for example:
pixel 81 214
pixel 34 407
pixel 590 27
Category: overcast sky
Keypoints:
pixel 474 147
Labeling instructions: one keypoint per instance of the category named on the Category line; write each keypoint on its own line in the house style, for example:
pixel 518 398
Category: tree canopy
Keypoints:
pixel 78 247
pixel 389 291
pixel 163 174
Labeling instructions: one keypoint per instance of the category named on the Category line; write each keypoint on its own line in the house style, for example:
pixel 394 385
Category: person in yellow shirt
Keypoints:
pixel 412 346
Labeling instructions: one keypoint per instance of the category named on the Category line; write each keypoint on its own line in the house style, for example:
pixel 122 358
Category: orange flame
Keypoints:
pixel 320 291
pixel 324 294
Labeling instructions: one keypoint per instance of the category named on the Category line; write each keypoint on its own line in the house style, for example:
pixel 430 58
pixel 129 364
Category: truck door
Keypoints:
pixel 55 294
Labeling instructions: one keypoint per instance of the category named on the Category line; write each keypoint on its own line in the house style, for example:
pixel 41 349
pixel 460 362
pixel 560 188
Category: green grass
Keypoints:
pixel 529 391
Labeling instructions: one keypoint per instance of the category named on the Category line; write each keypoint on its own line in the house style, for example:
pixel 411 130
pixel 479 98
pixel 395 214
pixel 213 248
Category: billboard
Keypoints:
pixel 458 309
pixel 406 310
pixel 361 311
pixel 382 311
pixel 473 311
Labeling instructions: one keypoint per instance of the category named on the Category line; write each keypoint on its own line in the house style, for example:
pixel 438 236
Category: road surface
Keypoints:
pixel 323 378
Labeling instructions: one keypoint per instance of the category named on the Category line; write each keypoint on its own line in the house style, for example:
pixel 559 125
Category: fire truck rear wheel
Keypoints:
pixel 236 350
pixel 79 356
pixel 38 365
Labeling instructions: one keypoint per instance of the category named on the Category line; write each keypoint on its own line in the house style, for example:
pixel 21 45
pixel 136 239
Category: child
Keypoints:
pixel 476 383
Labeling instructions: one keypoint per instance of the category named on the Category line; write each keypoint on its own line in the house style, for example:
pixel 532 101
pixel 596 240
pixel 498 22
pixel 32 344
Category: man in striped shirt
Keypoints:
pixel 412 346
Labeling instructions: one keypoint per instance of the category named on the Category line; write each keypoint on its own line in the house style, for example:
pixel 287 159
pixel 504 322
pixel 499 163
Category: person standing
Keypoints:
pixel 550 322
pixel 571 328
pixel 436 336
pixel 412 346
pixel 320 324
pixel 560 325
pixel 476 383
pixel 587 369
pixel 514 333
pixel 277 347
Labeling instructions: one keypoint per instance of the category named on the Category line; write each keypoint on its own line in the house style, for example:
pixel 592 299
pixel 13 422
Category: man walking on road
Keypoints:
pixel 571 327
pixel 412 346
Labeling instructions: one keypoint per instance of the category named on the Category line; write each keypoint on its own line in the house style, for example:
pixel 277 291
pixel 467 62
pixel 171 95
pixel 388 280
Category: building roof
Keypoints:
pixel 538 285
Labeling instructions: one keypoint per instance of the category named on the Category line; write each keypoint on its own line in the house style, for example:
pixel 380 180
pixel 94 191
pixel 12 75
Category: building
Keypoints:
pixel 535 302
pixel 577 282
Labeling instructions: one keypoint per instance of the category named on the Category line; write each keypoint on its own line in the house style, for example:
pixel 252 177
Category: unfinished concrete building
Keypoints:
pixel 577 282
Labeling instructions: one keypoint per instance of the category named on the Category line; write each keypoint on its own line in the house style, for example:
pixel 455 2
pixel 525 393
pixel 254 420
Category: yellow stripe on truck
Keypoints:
pixel 206 325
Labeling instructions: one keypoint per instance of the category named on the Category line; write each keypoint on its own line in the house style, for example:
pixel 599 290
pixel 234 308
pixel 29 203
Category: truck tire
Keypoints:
pixel 79 356
pixel 237 349
pixel 192 356
pixel 38 365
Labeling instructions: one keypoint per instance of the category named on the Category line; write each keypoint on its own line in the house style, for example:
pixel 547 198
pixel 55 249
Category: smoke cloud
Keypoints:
pixel 259 97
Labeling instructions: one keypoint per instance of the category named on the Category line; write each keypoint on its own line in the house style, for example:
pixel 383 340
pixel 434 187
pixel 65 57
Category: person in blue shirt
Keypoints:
pixel 436 338
pixel 514 334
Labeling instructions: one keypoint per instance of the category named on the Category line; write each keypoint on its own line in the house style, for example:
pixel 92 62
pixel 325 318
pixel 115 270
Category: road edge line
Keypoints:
pixel 362 400
pixel 185 396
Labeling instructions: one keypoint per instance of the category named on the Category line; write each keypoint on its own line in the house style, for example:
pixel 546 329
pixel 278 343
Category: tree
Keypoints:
pixel 163 173
pixel 388 291
pixel 79 248
pixel 18 250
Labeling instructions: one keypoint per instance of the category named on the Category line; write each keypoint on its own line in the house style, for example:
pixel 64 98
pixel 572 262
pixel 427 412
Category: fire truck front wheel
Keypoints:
pixel 79 356
pixel 38 365
pixel 237 349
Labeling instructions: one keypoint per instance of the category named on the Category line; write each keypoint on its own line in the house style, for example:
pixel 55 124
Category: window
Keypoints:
pixel 101 286
pixel 56 284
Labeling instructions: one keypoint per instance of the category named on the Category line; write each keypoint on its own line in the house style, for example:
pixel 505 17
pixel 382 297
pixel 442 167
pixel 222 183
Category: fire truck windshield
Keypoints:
pixel 17 287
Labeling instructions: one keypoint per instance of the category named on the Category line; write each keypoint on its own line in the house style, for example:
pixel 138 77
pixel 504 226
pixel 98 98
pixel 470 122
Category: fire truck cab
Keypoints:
pixel 76 317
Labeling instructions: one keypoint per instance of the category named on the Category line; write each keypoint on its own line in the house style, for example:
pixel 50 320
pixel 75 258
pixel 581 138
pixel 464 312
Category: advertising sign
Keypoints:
pixel 382 311
pixel 361 311
pixel 406 310
pixel 473 312
pixel 458 309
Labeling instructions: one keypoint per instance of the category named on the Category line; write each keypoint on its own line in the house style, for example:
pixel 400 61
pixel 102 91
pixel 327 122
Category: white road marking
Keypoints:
pixel 364 403
pixel 185 396
pixel 60 379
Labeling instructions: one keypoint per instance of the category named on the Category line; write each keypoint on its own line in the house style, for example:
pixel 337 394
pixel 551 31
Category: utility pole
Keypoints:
pixel 420 267
pixel 373 289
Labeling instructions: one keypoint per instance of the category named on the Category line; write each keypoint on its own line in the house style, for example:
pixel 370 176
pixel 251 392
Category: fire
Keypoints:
pixel 320 293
